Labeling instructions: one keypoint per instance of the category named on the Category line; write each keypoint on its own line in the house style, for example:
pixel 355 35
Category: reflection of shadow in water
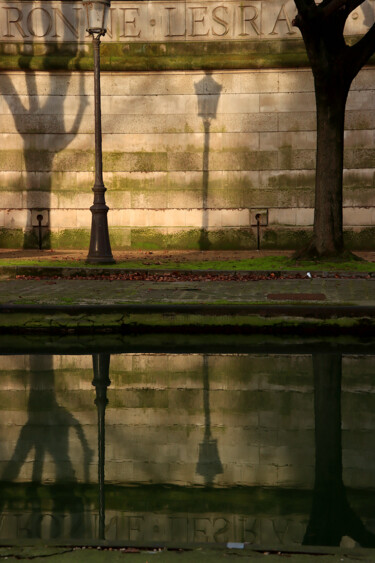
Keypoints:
pixel 48 434
pixel 209 464
pixel 101 381
pixel 43 114
pixel 331 516
pixel 208 93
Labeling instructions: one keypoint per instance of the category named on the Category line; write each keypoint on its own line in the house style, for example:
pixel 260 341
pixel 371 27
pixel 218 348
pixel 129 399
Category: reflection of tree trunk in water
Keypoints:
pixel 331 516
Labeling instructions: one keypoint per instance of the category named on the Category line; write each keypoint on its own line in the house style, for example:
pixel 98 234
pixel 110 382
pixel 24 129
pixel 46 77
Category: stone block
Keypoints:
pixel 250 121
pixel 297 121
pixel 296 476
pixel 235 218
pixel 359 119
pixel 304 217
pixel 360 100
pixel 282 216
pixel 364 80
pixel 83 217
pixel 265 475
pixel 194 218
pixel 212 218
pixel 41 200
pixel 358 216
pixel 359 138
pixel 149 199
pixel 359 158
pixel 184 161
pixel 162 83
pixel 288 179
pixel 295 140
pixel 232 141
pixel 286 102
pixel 11 160
pixel 63 218
pixel 17 218
pixel 188 199
pixel 258 82
pixel 74 200
pixel 139 218
pixel 296 81
pixel 237 103
pixel 359 178
pixel 11 200
pixel 168 218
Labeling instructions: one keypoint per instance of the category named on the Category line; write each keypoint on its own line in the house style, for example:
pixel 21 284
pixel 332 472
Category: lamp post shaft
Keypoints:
pixel 98 116
pixel 100 247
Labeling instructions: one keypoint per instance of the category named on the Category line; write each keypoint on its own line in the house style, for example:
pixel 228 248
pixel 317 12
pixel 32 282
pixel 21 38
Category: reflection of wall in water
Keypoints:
pixel 261 412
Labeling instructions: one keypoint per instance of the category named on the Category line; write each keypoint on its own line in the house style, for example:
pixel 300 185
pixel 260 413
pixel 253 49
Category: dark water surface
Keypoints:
pixel 178 439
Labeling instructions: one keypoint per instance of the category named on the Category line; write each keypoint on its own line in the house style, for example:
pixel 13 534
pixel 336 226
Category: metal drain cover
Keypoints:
pixel 297 296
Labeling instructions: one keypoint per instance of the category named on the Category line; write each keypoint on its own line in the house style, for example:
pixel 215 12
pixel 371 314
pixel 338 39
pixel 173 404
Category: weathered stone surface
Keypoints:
pixel 182 151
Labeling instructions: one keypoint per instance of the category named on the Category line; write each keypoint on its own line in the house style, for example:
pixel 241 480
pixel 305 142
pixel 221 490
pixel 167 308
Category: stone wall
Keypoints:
pixel 190 155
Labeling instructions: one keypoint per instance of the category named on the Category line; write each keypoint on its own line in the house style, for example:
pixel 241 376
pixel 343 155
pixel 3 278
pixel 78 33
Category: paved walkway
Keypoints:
pixel 117 304
pixel 317 291
pixel 271 305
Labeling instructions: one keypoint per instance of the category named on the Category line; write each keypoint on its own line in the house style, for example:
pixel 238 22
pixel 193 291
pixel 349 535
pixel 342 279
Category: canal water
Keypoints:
pixel 176 439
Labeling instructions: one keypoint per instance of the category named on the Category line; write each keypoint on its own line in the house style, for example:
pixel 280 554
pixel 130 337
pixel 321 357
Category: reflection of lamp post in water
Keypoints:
pixel 208 93
pixel 209 464
pixel 101 381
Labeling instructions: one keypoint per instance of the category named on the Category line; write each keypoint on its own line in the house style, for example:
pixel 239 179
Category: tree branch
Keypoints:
pixel 328 8
pixel 305 6
pixel 331 6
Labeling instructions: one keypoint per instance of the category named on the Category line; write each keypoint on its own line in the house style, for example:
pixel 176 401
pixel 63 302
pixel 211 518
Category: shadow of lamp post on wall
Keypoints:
pixel 208 93
pixel 100 247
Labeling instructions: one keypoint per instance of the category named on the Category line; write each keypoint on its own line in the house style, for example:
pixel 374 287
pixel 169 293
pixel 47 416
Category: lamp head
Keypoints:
pixel 96 16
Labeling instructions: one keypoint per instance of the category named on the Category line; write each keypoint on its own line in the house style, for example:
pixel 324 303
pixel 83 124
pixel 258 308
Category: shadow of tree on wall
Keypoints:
pixel 331 517
pixel 47 434
pixel 42 113
pixel 208 94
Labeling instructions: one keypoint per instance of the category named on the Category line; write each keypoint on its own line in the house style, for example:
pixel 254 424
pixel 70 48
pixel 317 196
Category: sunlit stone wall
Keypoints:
pixel 190 156
pixel 259 413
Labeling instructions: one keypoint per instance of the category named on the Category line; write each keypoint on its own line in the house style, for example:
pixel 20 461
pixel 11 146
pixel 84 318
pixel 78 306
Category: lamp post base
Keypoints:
pixel 100 247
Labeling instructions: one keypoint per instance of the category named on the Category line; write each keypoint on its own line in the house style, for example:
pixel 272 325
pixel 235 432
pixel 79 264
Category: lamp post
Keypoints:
pixel 100 246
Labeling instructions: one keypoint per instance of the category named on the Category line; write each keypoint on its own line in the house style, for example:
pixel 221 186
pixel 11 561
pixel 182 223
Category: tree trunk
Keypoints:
pixel 328 228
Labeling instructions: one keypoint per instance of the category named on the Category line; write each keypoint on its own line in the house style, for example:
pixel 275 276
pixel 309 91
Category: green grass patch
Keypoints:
pixel 271 263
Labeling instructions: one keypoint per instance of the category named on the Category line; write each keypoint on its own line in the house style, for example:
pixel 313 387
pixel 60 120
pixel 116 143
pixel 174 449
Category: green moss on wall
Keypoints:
pixel 186 55
pixel 11 238
pixel 153 238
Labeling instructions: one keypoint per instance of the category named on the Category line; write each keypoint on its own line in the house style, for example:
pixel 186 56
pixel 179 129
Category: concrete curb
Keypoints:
pixel 133 318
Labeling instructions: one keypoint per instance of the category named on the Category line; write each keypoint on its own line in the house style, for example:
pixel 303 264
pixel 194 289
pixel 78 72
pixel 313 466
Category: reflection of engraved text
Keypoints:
pixel 139 527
